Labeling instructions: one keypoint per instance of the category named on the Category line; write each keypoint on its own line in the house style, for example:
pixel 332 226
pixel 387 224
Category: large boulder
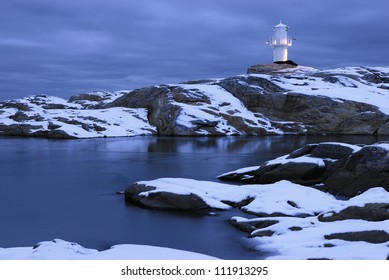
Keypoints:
pixel 308 165
pixel 337 168
pixel 296 172
pixel 363 170
pixel 163 200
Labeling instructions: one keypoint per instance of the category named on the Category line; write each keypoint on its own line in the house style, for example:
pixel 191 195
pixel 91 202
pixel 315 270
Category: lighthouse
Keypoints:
pixel 280 43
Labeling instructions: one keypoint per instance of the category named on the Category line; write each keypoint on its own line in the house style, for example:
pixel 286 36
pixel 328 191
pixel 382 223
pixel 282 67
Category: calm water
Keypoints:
pixel 67 189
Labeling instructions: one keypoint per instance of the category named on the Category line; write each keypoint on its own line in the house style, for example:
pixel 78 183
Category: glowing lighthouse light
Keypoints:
pixel 280 42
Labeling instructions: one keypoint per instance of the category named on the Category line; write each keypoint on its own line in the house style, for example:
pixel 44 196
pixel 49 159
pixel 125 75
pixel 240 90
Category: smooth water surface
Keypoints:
pixel 67 189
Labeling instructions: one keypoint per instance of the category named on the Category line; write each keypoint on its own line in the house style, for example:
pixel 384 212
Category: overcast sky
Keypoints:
pixel 64 48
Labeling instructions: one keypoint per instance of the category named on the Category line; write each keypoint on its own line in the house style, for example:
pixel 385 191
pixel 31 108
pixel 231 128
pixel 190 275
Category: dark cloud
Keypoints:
pixel 67 47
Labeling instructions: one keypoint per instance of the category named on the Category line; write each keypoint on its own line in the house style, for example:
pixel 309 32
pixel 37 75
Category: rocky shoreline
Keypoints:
pixel 270 99
pixel 295 216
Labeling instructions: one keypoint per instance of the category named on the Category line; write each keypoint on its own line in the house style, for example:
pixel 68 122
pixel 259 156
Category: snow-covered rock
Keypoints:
pixel 196 109
pixel 293 221
pixel 58 249
pixel 54 117
pixel 308 165
pixel 338 168
pixel 274 100
pixel 282 198
pixel 307 238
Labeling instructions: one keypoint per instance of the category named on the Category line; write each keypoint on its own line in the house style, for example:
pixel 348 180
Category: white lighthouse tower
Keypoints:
pixel 280 42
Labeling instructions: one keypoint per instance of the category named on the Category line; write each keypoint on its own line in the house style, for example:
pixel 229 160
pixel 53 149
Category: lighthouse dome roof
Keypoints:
pixel 281 25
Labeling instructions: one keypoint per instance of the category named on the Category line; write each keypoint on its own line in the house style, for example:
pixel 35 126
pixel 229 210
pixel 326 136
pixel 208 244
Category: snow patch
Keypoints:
pixel 62 250
pixel 302 159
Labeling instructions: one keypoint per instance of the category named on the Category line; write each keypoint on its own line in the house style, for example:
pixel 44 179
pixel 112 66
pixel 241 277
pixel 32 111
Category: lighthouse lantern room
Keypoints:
pixel 280 42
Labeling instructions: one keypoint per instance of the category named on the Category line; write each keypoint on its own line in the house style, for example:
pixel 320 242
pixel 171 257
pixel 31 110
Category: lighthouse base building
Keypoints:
pixel 270 68
pixel 280 53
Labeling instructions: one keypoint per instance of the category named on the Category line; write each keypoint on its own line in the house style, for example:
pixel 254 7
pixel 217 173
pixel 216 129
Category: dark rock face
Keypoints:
pixel 269 68
pixel 19 129
pixel 33 130
pixel 297 172
pixel 251 225
pixel 87 96
pixel 364 169
pixel 372 236
pixel 58 134
pixel 157 100
pixel 164 200
pixel 315 112
pixel 262 233
pixel 92 100
pixel 323 150
pixel 370 212
pixel 16 105
pixel 20 117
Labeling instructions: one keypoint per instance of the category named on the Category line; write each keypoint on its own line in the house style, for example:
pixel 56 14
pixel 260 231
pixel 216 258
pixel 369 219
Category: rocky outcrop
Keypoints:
pixel 337 168
pixel 270 99
pixel 292 221
pixel 270 68
pixel 195 109
pixel 316 114
pixel 158 101
pixel 52 117
pixel 308 165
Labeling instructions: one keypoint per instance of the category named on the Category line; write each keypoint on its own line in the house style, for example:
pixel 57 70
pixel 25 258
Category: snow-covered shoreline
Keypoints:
pixel 291 220
pixel 294 221
pixel 302 100
pixel 58 249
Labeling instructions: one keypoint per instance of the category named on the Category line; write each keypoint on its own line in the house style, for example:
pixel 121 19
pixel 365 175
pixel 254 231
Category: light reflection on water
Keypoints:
pixel 67 189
